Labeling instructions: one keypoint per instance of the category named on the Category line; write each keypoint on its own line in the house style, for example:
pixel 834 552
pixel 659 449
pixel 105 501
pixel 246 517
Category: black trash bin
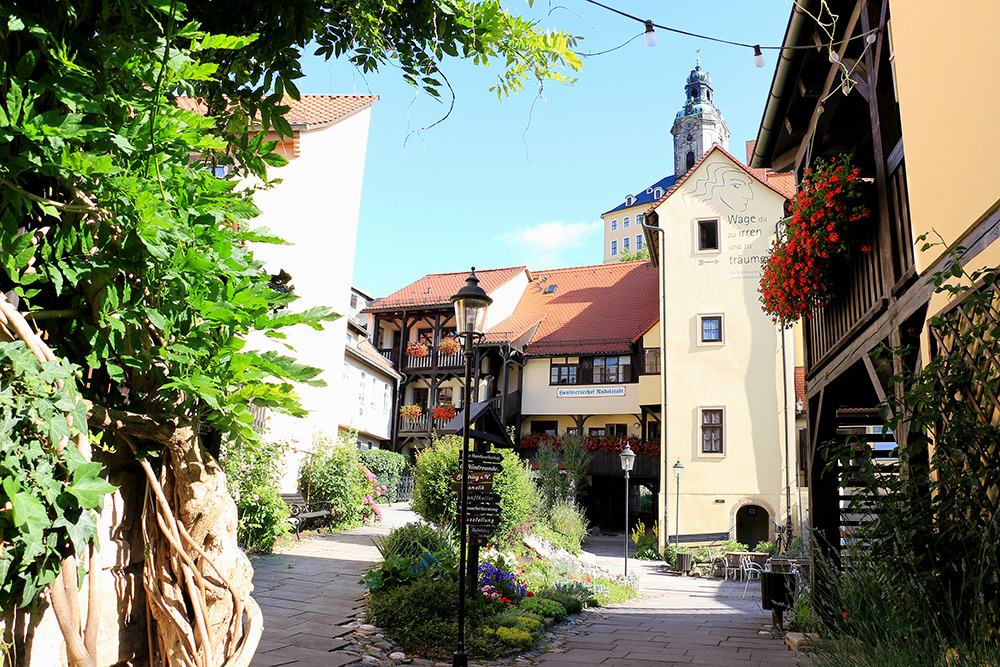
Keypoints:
pixel 684 562
pixel 776 589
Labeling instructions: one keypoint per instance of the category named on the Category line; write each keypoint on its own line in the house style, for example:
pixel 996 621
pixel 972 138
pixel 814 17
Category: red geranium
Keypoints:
pixel 417 349
pixel 444 412
pixel 797 275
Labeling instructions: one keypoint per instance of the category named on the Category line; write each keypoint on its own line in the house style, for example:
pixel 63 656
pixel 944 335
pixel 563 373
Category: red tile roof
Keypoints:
pixel 591 310
pixel 437 289
pixel 309 109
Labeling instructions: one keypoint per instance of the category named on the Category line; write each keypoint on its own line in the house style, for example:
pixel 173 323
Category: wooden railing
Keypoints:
pixel 420 424
pixel 435 359
pixel 864 285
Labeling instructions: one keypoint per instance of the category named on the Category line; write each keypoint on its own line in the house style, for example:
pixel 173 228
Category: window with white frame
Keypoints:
pixel 614 225
pixel 614 247
pixel 625 221
pixel 638 242
pixel 713 424
pixel 626 244
pixel 710 329
pixel 612 369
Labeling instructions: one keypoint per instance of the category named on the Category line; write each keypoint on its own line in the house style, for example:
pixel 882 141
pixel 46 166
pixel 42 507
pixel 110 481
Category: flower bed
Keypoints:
pixel 797 272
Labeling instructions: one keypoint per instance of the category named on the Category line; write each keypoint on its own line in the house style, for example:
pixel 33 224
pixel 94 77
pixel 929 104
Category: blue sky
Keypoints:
pixel 525 180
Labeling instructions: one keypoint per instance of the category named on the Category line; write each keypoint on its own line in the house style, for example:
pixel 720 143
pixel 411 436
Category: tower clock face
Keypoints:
pixel 687 126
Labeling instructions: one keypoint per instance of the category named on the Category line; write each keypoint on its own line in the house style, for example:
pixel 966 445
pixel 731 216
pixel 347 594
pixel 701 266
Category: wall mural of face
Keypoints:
pixel 729 185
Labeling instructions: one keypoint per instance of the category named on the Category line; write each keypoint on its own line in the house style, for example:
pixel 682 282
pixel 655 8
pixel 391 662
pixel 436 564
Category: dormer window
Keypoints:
pixel 657 193
pixel 629 200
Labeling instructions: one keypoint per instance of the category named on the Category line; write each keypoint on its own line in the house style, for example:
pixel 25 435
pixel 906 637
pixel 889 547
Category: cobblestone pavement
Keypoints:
pixel 310 597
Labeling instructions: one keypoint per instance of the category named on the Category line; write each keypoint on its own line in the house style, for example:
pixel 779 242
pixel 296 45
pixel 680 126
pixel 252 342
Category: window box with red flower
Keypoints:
pixel 798 270
pixel 411 411
pixel 443 412
pixel 450 345
pixel 417 349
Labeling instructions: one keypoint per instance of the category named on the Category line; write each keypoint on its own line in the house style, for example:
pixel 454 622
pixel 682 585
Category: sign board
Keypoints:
pixel 474 488
pixel 480 509
pixel 479 540
pixel 483 467
pixel 485 531
pixel 481 498
pixel 483 520
pixel 590 392
pixel 492 457
pixel 475 476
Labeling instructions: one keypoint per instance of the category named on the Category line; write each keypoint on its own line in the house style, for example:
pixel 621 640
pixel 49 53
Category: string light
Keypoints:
pixel 650 35
pixel 758 60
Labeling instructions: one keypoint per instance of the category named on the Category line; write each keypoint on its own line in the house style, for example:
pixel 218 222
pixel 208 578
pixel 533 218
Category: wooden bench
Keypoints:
pixel 302 511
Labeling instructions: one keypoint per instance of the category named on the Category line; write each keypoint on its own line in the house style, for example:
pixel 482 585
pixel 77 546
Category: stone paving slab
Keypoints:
pixel 311 593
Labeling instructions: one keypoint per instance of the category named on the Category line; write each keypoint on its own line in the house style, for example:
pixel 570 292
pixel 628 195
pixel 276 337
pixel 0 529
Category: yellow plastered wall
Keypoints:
pixel 743 375
pixel 948 85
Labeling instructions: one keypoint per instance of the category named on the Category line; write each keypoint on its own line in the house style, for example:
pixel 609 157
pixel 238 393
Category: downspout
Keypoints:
pixel 662 276
pixel 784 384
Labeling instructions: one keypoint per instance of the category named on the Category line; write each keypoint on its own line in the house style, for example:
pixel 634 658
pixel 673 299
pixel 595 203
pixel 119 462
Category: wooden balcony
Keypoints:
pixel 866 284
pixel 434 360
pixel 420 425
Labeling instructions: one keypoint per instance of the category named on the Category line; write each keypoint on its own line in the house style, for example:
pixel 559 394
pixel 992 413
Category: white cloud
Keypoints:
pixel 557 244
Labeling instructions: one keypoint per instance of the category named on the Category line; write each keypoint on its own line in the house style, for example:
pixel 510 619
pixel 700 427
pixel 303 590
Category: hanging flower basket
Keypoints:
pixel 797 272
pixel 444 412
pixel 417 349
pixel 450 345
pixel 412 411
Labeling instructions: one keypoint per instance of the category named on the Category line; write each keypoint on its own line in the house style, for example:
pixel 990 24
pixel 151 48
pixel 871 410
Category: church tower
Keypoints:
pixel 699 124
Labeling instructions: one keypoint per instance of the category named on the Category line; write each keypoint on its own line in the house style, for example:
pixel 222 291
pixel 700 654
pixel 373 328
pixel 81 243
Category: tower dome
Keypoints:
pixel 699 123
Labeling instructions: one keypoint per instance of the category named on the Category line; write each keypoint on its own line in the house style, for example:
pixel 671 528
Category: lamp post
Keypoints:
pixel 470 304
pixel 628 457
pixel 678 471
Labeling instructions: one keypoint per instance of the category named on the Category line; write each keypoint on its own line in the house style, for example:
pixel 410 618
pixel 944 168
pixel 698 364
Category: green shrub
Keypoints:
pixel 802 614
pixel 333 473
pixel 436 501
pixel 545 607
pixel 795 547
pixel 670 554
pixel 397 571
pixel 514 616
pixel 572 604
pixel 415 538
pixel 612 592
pixel 513 637
pixel 421 616
pixel 568 522
pixel 252 479
pixel 575 589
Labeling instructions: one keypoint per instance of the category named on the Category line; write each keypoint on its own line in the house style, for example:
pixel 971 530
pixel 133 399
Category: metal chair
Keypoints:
pixel 734 565
pixel 751 569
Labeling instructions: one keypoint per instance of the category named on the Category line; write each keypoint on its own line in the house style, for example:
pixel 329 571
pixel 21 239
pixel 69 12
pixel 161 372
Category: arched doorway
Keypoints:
pixel 753 525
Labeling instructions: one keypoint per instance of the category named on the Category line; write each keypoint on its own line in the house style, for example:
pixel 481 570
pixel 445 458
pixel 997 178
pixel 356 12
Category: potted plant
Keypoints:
pixel 444 412
pixel 417 349
pixel 450 345
pixel 797 272
pixel 411 411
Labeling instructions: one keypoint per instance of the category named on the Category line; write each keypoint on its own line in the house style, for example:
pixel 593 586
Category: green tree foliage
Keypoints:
pixel 47 492
pixel 629 256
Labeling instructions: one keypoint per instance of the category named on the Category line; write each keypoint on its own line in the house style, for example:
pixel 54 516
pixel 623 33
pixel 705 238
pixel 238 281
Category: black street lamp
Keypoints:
pixel 470 304
pixel 628 457
pixel 678 471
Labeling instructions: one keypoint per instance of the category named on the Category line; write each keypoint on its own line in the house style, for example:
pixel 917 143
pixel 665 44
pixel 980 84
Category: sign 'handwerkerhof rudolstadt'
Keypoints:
pixel 590 392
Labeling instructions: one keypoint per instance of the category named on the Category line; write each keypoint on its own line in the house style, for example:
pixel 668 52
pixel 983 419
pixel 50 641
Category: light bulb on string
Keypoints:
pixel 758 57
pixel 651 39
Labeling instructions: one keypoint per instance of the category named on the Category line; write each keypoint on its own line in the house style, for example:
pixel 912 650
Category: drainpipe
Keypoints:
pixel 784 384
pixel 662 491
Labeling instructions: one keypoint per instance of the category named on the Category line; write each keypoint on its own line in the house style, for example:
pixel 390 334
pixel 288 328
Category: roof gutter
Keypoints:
pixel 800 25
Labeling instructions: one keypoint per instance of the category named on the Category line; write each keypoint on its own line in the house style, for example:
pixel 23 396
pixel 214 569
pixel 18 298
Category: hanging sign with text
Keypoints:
pixel 589 392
